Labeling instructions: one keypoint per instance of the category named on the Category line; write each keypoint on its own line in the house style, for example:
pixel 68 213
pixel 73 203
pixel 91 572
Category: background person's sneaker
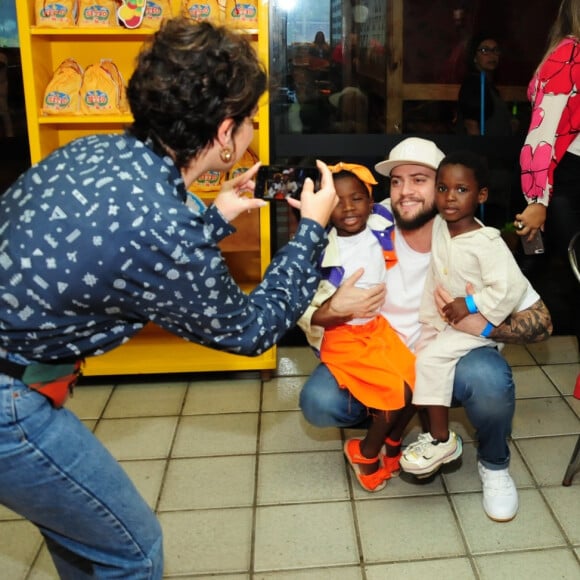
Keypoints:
pixel 426 455
pixel 500 496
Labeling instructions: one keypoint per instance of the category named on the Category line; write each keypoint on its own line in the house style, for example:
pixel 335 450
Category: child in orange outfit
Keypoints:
pixel 365 355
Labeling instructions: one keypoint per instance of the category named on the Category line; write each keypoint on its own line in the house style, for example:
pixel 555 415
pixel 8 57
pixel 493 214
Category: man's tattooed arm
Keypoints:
pixel 534 324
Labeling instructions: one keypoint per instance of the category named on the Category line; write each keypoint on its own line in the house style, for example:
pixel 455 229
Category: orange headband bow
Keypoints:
pixel 359 170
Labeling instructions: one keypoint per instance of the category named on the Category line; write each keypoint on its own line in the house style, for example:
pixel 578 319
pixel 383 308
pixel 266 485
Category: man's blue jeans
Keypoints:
pixel 483 386
pixel 55 473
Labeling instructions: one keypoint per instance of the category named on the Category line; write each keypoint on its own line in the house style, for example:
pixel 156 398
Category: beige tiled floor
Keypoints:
pixel 245 489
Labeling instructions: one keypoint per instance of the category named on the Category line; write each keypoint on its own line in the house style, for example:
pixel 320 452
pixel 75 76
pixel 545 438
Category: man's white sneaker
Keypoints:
pixel 500 496
pixel 426 455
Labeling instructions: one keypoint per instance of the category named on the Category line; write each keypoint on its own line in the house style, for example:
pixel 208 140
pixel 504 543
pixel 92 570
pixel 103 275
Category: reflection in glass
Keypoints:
pixel 335 61
pixel 327 63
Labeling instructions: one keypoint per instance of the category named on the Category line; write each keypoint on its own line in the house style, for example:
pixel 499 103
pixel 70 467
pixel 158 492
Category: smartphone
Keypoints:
pixel 534 246
pixel 275 182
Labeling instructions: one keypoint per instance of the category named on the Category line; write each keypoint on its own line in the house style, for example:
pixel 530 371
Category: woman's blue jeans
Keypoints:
pixel 483 386
pixel 55 473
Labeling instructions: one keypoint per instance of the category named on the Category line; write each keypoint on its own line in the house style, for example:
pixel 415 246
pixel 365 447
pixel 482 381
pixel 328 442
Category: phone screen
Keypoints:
pixel 277 182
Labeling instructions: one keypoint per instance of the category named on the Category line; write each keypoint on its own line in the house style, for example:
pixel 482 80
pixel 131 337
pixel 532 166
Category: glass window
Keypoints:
pixel 395 66
pixel 327 63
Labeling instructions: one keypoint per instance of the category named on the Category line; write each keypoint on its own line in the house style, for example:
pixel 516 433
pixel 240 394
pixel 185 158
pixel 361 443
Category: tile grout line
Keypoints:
pixel 252 562
pixel 170 450
pixel 468 553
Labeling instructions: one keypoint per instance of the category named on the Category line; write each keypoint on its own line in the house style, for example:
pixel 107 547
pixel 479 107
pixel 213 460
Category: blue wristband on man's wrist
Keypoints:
pixel 470 303
pixel 487 330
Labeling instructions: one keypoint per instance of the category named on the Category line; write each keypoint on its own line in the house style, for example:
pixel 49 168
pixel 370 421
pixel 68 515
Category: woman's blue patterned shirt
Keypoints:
pixel 96 240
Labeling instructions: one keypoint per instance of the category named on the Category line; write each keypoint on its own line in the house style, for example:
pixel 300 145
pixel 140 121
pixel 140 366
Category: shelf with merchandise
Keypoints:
pixel 114 31
pixel 48 47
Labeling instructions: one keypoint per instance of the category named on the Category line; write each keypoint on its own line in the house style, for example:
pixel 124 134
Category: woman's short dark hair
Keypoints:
pixel 189 78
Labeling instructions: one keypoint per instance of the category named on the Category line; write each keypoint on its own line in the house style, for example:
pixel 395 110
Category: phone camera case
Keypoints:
pixel 534 246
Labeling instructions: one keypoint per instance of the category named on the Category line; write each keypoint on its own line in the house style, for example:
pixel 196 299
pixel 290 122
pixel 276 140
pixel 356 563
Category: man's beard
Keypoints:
pixel 415 222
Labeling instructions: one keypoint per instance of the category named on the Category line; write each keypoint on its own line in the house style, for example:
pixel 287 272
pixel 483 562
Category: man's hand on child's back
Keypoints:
pixel 350 302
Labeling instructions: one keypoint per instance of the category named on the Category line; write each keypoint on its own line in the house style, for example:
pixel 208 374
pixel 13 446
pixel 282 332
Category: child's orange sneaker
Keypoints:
pixel 373 481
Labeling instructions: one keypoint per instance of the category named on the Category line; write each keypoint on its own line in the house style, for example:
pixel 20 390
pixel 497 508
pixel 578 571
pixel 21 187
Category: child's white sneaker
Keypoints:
pixel 426 455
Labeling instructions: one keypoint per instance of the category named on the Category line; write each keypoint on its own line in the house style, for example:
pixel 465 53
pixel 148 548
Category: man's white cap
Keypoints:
pixel 334 99
pixel 411 151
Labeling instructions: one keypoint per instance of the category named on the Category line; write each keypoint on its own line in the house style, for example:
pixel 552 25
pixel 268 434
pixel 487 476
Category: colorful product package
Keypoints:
pixel 247 160
pixel 56 13
pixel 101 91
pixel 62 95
pixel 241 14
pixel 208 182
pixel 156 11
pixel 211 181
pixel 97 14
pixel 202 10
pixel 131 13
pixel 111 68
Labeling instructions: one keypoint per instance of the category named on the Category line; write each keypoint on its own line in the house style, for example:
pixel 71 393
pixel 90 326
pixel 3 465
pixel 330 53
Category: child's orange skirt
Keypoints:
pixel 371 361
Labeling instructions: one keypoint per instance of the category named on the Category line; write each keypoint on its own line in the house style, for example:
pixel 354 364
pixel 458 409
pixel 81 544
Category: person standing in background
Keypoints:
pixel 497 119
pixel 550 156
pixel 320 48
pixel 455 66
pixel 478 85
pixel 319 61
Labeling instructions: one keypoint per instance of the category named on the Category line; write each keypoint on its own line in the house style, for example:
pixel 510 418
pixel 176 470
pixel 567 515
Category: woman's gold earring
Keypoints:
pixel 226 155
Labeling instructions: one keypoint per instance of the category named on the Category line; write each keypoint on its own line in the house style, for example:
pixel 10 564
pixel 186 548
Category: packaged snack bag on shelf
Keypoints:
pixel 202 10
pixel 99 94
pixel 97 14
pixel 243 164
pixel 209 182
pixel 222 9
pixel 242 14
pixel 156 11
pixel 55 14
pixel 62 95
pixel 111 68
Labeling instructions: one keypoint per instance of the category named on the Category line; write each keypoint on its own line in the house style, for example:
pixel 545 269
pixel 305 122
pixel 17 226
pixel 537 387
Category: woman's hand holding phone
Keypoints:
pixel 319 205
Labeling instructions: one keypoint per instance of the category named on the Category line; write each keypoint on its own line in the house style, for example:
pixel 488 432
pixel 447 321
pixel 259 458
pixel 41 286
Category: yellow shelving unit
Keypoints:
pixel 247 251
